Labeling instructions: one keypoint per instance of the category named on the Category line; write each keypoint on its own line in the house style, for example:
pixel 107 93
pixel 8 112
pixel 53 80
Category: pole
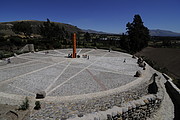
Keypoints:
pixel 74 46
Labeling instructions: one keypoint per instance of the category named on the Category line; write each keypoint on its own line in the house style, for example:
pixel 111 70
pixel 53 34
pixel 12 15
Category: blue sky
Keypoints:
pixel 103 15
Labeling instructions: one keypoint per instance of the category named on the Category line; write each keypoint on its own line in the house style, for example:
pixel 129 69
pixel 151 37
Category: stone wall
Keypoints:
pixel 174 93
pixel 138 109
pixel 82 106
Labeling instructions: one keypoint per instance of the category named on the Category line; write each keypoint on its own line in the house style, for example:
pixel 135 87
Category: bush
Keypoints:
pixel 1 54
pixel 37 105
pixel 25 104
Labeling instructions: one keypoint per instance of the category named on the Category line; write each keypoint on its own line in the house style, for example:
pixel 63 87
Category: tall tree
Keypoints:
pixel 138 34
pixel 22 27
pixel 52 33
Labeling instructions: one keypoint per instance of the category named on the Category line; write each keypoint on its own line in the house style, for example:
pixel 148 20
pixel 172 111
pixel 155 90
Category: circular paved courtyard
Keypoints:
pixel 58 75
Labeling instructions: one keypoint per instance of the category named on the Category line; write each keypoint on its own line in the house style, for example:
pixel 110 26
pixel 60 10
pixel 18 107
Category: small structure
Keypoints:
pixel 124 60
pixel 40 95
pixel 69 55
pixel 140 60
pixel 84 56
pixel 142 64
pixel 153 88
pixel 28 48
pixel 8 60
pixel 78 56
pixel 138 74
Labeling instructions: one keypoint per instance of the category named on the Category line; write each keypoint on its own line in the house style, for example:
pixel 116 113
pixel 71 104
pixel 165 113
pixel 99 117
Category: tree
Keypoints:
pixel 50 30
pixel 22 27
pixel 138 34
pixel 124 42
pixel 52 33
pixel 87 36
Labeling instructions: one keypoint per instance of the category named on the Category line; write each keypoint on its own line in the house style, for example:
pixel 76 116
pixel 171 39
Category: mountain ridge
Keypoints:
pixel 5 28
pixel 159 32
pixel 152 32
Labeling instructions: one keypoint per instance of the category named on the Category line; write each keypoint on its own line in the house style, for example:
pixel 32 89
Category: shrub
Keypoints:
pixel 37 105
pixel 25 104
pixel 1 54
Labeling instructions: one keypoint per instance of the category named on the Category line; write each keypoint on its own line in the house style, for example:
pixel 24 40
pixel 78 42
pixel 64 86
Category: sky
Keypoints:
pixel 102 15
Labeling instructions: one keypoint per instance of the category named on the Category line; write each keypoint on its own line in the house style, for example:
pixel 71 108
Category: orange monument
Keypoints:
pixel 74 46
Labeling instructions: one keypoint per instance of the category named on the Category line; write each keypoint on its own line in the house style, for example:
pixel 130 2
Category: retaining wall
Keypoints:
pixel 174 93
pixel 129 101
pixel 138 109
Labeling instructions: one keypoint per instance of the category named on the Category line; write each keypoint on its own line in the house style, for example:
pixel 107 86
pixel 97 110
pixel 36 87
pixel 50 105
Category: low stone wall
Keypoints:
pixel 174 93
pixel 138 109
pixel 80 106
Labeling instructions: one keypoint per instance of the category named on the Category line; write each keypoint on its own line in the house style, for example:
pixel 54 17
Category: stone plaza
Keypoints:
pixel 98 81
pixel 58 75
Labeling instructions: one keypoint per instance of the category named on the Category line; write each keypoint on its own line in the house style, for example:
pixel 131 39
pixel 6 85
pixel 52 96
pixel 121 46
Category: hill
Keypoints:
pixel 5 27
pixel 159 32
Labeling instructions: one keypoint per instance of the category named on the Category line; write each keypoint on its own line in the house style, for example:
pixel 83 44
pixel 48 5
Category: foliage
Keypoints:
pixel 138 34
pixel 124 42
pixel 17 41
pixel 87 36
pixel 1 54
pixel 2 41
pixel 53 34
pixel 22 27
pixel 25 104
pixel 37 105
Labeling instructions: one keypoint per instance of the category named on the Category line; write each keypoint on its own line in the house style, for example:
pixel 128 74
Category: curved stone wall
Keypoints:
pixel 138 109
pixel 80 106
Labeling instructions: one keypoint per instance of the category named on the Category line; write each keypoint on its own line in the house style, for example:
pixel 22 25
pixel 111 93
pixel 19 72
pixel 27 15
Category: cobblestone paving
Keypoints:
pixel 74 87
pixel 58 75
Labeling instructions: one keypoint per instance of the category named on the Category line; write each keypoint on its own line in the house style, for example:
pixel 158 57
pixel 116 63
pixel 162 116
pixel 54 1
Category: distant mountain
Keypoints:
pixel 94 31
pixel 97 32
pixel 159 32
pixel 6 27
pixel 156 32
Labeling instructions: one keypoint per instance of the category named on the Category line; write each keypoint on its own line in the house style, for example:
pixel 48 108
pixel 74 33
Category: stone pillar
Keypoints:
pixel 74 46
